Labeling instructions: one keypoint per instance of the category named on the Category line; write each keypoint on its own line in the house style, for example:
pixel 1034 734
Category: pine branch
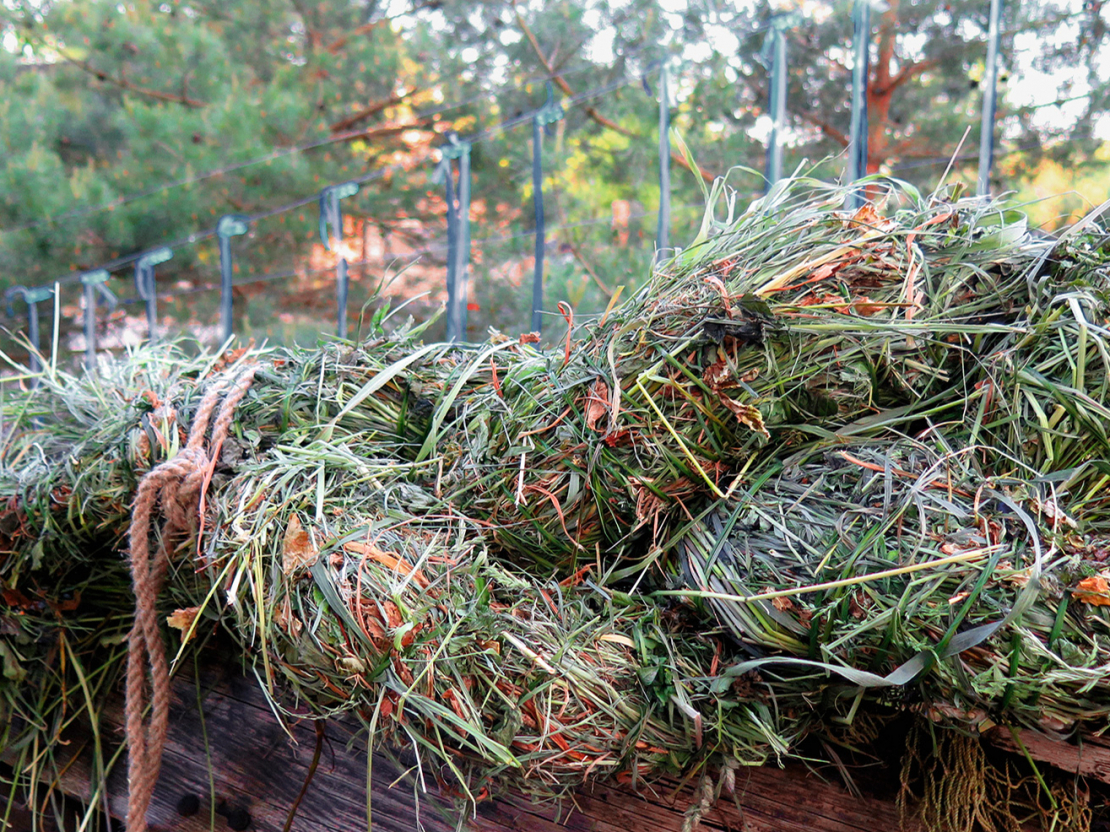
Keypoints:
pixel 374 108
pixel 590 110
pixel 805 115
pixel 312 37
pixel 385 130
pixel 341 42
pixel 123 83
pixel 826 128
pixel 905 74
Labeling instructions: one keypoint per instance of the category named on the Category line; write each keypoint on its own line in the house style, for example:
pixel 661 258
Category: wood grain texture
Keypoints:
pixel 1088 756
pixel 257 768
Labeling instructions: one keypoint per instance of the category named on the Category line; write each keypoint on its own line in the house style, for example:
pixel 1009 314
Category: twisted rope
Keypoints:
pixel 178 485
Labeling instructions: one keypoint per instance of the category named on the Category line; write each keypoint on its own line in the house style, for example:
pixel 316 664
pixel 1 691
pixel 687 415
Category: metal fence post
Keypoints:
pixel 857 143
pixel 662 230
pixel 32 297
pixel 777 106
pixel 229 225
pixel 331 213
pixel 145 285
pixel 990 100
pixel 774 52
pixel 443 174
pixel 94 284
pixel 456 301
pixel 546 115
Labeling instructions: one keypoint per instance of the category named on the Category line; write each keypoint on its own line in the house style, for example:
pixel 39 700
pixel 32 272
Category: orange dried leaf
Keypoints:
pixel 298 550
pixel 229 358
pixel 1094 590
pixel 369 550
pixel 183 620
pixel 718 376
pixel 866 215
pixel 619 438
pixel 15 598
pixel 597 403
pixel 866 307
pixel 858 604
pixel 393 615
pixel 492 646
pixel 782 603
pixel 68 605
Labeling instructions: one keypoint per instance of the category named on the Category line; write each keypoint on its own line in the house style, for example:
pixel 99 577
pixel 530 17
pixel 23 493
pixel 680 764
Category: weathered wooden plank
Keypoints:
pixel 1088 756
pixel 259 771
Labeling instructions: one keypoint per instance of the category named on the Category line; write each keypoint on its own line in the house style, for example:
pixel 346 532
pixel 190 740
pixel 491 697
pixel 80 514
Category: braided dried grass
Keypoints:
pixel 536 567
pixel 407 622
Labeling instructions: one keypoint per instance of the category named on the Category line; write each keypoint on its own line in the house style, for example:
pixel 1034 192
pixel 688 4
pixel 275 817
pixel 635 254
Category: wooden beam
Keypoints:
pixel 258 770
pixel 1088 756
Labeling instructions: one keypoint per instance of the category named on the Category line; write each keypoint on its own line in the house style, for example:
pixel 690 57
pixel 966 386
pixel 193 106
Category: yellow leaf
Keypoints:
pixel 350 664
pixel 298 550
pixel 494 646
pixel 183 620
pixel 617 638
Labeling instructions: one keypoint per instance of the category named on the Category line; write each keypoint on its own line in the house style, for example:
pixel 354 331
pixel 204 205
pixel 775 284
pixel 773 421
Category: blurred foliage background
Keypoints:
pixel 127 125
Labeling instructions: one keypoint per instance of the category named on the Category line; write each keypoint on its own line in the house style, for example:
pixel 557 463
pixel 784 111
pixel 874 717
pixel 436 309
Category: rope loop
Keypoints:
pixel 178 487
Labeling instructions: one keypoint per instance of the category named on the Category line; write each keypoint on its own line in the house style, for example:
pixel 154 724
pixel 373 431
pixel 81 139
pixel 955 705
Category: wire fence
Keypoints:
pixel 336 138
pixel 460 252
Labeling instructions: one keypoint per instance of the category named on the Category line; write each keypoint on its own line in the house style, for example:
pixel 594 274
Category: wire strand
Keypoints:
pixel 279 154
pixel 411 255
pixel 487 133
